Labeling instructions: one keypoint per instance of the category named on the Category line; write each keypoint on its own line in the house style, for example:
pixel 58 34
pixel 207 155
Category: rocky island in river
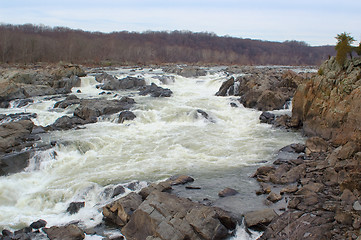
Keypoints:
pixel 307 190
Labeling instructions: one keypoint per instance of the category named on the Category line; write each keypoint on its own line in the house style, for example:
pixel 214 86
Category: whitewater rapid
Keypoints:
pixel 169 136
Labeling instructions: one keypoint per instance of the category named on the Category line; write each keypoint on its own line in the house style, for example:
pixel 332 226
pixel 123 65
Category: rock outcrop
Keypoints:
pixel 329 105
pixel 156 214
pixel 323 184
pixel 20 84
pixel 262 89
pixel 89 110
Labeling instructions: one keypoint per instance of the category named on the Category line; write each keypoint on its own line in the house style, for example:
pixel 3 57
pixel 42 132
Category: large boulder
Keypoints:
pixel 155 91
pixel 67 122
pixel 68 232
pixel 329 105
pixel 112 83
pixel 259 219
pixel 90 109
pixel 14 134
pixel 170 217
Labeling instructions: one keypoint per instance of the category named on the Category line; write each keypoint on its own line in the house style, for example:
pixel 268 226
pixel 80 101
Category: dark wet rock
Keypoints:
pixel 179 180
pixel 193 187
pixel 14 117
pixel 90 109
pixel 14 134
pixel 259 219
pixel 38 224
pixel 123 84
pixel 120 211
pixel 155 91
pixel 14 162
pixel 133 185
pixel 69 232
pixel 74 207
pixel 118 190
pixel 4 104
pixel 170 217
pixel 205 115
pixel 126 116
pixel 227 192
pixel 267 117
pixel 69 100
pixel 22 102
pixel 227 88
pixel 6 233
pixel 66 123
pixel 233 104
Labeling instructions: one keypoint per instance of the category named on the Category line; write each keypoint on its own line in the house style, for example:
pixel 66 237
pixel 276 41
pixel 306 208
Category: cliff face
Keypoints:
pixel 329 105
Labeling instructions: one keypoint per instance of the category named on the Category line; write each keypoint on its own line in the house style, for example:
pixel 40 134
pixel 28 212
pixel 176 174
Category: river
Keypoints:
pixel 169 136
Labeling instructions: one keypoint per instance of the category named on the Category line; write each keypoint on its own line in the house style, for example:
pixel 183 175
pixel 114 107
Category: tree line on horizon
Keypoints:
pixel 38 43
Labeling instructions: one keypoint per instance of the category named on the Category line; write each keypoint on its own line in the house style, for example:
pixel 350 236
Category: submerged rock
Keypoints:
pixel 227 192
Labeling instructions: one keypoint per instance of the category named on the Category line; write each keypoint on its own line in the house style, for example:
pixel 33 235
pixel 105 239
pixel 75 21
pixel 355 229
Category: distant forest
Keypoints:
pixel 33 43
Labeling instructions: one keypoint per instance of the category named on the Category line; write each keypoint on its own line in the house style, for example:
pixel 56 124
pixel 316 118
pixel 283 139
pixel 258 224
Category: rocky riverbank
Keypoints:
pixel 323 185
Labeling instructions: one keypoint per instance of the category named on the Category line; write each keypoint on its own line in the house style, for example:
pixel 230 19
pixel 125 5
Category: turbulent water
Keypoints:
pixel 168 137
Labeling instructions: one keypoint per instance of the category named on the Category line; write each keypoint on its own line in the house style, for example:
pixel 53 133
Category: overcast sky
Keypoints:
pixel 316 22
